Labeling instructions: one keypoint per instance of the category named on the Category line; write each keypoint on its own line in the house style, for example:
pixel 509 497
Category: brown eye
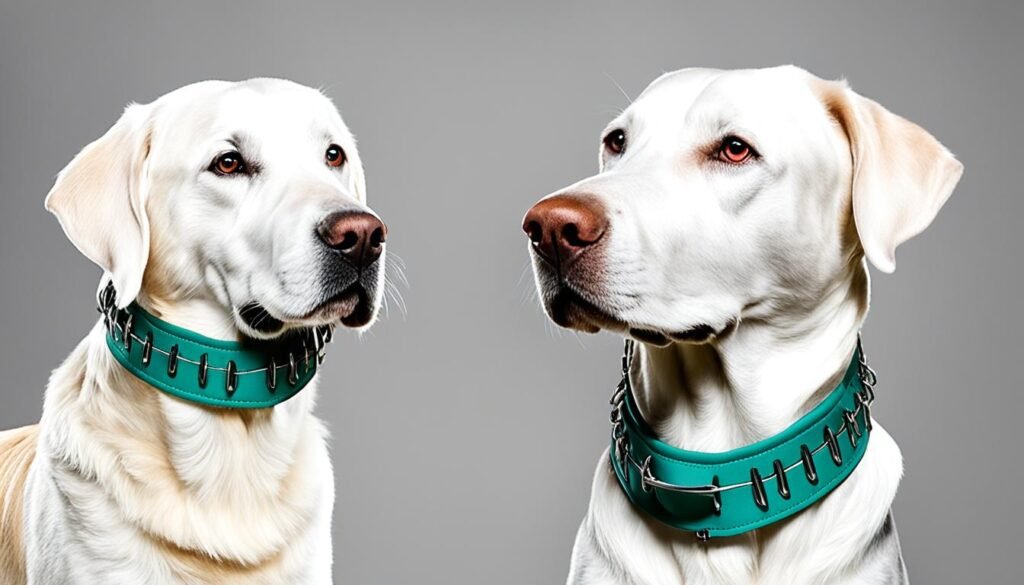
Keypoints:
pixel 335 156
pixel 615 141
pixel 734 150
pixel 229 163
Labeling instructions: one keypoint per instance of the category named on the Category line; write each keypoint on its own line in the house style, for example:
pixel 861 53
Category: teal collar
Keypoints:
pixel 729 493
pixel 211 372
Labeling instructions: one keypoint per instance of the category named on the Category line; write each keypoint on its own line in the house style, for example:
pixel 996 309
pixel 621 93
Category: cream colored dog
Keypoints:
pixel 727 231
pixel 207 207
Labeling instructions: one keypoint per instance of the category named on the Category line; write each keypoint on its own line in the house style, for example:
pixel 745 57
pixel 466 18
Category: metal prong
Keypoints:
pixel 203 365
pixel 147 349
pixel 318 335
pixel 172 361
pixel 807 458
pixel 232 378
pixel 833 446
pixel 293 370
pixel 757 486
pixel 646 475
pixel 305 354
pixel 702 535
pixel 272 375
pixel 865 407
pixel 329 336
pixel 716 497
pixel 781 480
pixel 129 324
pixel 852 427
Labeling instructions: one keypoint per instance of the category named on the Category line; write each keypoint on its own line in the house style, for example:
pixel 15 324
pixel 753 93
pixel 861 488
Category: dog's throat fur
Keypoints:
pixel 246 374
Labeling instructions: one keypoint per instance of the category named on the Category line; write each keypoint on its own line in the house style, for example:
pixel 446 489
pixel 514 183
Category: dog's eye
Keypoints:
pixel 335 156
pixel 735 150
pixel 229 163
pixel 615 141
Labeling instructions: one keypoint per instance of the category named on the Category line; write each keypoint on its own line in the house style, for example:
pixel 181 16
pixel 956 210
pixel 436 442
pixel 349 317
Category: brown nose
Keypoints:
pixel 358 236
pixel 561 227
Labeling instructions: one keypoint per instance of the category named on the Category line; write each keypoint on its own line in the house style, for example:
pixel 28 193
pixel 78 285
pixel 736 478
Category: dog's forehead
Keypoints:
pixel 716 97
pixel 273 106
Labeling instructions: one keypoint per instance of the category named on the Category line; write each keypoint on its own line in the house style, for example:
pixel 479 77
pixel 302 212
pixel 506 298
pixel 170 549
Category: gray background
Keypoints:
pixel 486 423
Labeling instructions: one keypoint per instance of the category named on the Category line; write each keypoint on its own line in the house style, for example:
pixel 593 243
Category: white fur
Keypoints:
pixel 768 254
pixel 130 485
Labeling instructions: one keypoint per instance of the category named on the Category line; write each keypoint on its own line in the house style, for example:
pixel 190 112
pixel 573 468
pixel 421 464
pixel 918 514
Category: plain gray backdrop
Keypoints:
pixel 465 433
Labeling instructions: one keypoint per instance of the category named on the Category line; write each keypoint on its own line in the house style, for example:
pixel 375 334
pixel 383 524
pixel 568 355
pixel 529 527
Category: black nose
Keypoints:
pixel 358 236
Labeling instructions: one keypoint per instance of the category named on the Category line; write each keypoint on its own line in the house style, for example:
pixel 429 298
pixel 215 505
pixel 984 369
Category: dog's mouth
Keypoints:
pixel 567 308
pixel 570 310
pixel 352 306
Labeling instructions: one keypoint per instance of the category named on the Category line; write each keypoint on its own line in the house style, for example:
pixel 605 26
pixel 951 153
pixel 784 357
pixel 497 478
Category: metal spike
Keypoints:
pixel 232 378
pixel 293 370
pixel 865 406
pixel 129 325
pixel 757 486
pixel 329 336
pixel 203 365
pixel 172 361
pixel 809 469
pixel 852 427
pixel 716 497
pixel 781 480
pixel 646 475
pixel 147 349
pixel 833 446
pixel 272 375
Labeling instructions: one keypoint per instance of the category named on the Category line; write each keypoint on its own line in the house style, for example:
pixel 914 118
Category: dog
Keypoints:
pixel 728 234
pixel 236 210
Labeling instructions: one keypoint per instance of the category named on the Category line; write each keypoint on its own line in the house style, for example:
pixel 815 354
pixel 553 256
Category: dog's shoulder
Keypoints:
pixel 17 451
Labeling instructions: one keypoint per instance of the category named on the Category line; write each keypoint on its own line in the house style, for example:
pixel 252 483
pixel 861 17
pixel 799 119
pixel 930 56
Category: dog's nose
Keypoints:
pixel 356 235
pixel 561 227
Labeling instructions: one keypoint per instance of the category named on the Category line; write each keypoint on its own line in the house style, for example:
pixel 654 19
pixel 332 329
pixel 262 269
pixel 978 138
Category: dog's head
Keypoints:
pixel 251 194
pixel 732 194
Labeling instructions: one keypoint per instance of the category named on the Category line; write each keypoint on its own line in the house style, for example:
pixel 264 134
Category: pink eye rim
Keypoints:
pixel 734 150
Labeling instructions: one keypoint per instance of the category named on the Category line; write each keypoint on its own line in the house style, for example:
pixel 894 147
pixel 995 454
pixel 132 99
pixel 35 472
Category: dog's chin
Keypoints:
pixel 570 310
pixel 353 307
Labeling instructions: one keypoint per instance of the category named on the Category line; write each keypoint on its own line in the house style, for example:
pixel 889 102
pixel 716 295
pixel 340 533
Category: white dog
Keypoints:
pixel 727 232
pixel 236 211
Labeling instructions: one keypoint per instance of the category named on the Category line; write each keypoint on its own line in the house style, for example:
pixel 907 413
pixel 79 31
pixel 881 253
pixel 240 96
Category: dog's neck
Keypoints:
pixel 756 379
pixel 225 468
pixel 204 316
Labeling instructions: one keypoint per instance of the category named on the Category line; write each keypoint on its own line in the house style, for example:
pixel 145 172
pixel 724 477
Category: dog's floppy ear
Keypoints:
pixel 902 175
pixel 99 200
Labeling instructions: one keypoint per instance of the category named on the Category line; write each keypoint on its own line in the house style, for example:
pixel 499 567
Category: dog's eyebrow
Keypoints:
pixel 242 141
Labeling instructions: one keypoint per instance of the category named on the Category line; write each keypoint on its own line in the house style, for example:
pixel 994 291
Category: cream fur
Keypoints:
pixel 122 484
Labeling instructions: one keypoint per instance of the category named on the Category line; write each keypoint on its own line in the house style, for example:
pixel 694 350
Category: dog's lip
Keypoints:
pixel 339 305
pixel 351 306
pixel 570 309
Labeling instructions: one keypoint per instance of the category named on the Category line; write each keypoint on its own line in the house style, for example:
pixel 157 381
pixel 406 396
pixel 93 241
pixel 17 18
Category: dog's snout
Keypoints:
pixel 561 227
pixel 357 235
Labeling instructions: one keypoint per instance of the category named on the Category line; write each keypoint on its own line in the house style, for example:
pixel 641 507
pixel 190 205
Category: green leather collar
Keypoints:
pixel 192 367
pixel 729 493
